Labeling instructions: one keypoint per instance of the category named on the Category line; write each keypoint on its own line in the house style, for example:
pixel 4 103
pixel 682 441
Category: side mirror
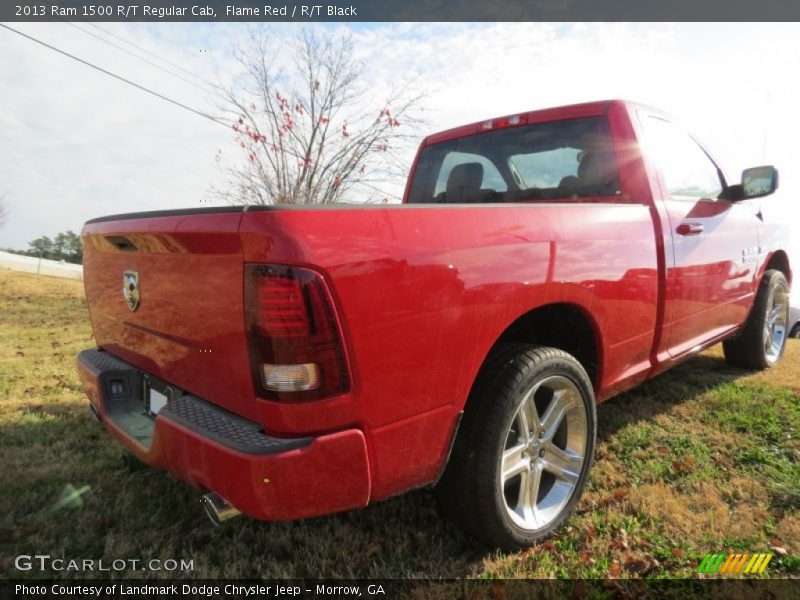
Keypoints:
pixel 759 181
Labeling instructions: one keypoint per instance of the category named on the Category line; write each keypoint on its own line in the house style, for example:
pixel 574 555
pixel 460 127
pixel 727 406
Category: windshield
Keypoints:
pixel 568 159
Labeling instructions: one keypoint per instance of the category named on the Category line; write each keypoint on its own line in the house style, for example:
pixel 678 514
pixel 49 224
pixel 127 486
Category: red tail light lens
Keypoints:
pixel 282 310
pixel 293 334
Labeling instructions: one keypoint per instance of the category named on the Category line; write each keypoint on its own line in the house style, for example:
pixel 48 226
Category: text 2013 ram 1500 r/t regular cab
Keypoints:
pixel 295 361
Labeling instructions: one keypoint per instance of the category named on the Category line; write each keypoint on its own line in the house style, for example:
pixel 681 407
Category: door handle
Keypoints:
pixel 690 228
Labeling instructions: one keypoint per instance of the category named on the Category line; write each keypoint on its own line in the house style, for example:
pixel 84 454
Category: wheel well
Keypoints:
pixel 563 326
pixel 780 262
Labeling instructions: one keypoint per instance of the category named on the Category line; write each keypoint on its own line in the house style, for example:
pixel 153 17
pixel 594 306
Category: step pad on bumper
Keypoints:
pixel 225 428
pixel 126 410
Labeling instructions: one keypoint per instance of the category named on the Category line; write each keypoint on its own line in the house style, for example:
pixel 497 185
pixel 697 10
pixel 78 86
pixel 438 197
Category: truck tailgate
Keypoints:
pixel 187 324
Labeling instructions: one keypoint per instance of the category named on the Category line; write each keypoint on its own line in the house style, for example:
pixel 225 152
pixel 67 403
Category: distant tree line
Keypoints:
pixel 66 246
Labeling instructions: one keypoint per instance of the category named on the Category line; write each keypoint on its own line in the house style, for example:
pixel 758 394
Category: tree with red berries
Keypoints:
pixel 310 128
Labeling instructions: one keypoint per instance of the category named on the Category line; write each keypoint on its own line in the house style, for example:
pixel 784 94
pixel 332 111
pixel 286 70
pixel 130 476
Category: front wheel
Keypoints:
pixel 762 341
pixel 523 455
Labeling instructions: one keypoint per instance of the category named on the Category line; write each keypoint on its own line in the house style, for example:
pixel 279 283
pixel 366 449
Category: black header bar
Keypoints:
pixel 398 10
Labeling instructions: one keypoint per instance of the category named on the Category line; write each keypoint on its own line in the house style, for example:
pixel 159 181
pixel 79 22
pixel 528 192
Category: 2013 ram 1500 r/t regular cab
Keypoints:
pixel 294 362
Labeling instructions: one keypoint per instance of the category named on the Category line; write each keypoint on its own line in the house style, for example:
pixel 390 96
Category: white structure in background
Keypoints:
pixel 794 299
pixel 31 264
pixel 794 319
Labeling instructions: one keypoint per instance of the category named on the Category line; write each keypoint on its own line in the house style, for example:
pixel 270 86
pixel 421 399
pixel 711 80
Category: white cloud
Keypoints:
pixel 75 144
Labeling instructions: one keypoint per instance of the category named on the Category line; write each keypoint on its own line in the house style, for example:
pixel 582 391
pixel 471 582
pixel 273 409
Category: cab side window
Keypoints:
pixel 687 170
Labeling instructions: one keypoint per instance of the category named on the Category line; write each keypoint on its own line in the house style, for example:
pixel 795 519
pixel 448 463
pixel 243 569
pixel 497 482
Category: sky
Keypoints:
pixel 77 144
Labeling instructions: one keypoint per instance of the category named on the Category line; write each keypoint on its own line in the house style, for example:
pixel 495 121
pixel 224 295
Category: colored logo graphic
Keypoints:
pixel 734 564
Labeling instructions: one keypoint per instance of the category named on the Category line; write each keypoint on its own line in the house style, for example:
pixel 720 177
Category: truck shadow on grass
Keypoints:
pixel 151 514
pixel 681 384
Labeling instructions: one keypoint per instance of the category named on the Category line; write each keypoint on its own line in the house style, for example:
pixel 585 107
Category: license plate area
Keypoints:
pixel 157 394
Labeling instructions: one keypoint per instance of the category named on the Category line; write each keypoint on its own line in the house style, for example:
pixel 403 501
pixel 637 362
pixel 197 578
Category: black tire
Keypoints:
pixel 748 349
pixel 473 491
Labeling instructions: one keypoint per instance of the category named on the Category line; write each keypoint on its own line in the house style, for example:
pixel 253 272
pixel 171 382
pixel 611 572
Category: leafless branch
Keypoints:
pixel 309 127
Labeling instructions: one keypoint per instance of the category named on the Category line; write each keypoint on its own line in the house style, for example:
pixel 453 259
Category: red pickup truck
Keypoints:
pixel 298 361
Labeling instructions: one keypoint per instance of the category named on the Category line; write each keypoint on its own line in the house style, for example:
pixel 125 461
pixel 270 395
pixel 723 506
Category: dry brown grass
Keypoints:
pixel 703 510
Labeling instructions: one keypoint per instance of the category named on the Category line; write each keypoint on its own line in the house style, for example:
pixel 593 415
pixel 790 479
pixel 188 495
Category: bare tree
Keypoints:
pixel 311 132
pixel 3 211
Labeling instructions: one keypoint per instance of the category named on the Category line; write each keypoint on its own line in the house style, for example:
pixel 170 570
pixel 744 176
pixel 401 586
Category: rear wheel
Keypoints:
pixel 523 454
pixel 762 341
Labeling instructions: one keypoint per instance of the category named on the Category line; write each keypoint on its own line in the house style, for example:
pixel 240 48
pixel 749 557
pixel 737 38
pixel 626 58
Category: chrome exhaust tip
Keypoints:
pixel 218 509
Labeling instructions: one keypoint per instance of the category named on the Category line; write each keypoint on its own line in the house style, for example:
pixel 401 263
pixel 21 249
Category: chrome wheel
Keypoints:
pixel 775 322
pixel 544 452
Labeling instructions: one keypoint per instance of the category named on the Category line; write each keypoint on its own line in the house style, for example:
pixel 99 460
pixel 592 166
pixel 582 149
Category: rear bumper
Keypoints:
pixel 212 449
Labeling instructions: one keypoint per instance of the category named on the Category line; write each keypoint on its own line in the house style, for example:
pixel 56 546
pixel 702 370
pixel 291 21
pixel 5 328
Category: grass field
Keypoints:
pixel 703 458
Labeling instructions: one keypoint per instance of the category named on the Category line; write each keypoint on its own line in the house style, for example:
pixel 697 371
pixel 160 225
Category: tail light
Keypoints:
pixel 294 337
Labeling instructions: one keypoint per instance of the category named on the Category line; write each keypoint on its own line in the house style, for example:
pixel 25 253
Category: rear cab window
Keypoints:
pixel 558 160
